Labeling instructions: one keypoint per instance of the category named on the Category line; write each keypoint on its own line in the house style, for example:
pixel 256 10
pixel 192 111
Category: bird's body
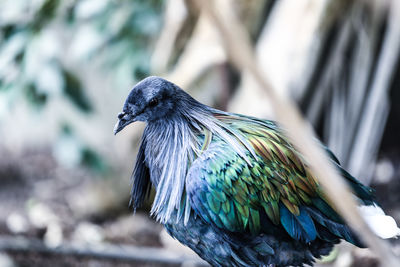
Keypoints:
pixel 231 187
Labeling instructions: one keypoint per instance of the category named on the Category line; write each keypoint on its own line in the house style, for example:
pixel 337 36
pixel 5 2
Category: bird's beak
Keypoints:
pixel 123 120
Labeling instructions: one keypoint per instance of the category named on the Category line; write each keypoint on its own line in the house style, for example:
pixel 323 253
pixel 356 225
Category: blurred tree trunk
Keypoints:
pixel 346 92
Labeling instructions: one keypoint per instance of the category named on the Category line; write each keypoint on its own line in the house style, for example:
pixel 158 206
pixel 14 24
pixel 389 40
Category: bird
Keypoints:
pixel 232 187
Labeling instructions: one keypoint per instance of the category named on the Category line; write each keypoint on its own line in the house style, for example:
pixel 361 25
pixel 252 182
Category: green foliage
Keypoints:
pixel 45 45
pixel 91 159
pixel 73 89
pixel 70 151
pixel 34 96
pixel 122 35
pixel 44 15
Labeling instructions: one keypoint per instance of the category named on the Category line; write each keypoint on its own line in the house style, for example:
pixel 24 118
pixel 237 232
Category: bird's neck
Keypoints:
pixel 169 150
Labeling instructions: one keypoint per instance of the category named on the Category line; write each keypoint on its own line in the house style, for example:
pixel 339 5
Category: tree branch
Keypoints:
pixel 100 251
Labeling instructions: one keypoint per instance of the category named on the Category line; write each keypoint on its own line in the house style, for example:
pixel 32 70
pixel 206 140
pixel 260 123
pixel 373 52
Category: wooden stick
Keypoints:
pixel 99 251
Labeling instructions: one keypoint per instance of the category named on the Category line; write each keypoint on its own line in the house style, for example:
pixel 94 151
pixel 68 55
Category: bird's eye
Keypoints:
pixel 153 102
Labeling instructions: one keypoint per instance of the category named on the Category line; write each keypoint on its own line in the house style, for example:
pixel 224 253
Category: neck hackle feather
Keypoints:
pixel 173 144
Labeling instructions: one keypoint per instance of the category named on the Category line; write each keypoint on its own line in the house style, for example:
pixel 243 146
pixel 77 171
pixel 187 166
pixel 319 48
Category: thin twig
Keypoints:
pixel 100 251
pixel 239 49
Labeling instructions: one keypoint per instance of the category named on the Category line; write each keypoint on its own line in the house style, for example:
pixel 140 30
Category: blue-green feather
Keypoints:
pixel 299 227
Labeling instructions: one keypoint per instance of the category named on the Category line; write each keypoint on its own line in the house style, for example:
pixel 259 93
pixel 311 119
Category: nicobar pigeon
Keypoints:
pixel 232 187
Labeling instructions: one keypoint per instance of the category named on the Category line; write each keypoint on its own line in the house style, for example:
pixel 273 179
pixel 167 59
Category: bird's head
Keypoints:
pixel 150 100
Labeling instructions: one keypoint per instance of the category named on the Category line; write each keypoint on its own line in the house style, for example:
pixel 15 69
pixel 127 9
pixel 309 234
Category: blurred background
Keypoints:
pixel 66 68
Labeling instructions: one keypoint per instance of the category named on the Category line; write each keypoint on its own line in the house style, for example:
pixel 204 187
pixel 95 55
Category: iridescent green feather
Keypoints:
pixel 278 180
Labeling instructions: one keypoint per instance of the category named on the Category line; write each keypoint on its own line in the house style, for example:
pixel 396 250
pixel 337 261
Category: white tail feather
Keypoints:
pixel 381 224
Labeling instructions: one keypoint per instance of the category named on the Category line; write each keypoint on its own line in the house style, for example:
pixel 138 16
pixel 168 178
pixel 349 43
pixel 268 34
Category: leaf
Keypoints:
pixel 92 160
pixel 45 14
pixel 73 89
pixel 34 96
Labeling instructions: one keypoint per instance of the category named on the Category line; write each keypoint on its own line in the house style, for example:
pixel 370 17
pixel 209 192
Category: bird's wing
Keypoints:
pixel 141 184
pixel 277 190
